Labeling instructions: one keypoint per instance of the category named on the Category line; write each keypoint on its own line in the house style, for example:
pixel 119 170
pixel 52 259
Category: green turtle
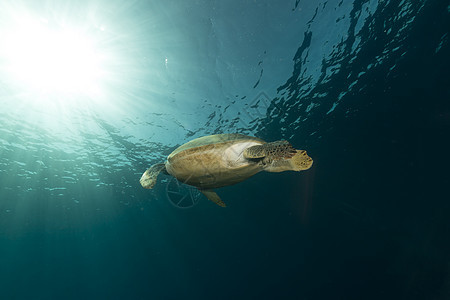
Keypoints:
pixel 219 160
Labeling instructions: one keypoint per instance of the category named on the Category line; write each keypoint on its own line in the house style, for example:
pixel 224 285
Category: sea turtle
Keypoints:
pixel 224 159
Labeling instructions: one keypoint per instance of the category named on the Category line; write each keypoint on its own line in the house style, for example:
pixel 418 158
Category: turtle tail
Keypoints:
pixel 148 179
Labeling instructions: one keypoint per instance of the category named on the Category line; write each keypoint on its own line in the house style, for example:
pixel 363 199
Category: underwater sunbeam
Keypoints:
pixel 51 59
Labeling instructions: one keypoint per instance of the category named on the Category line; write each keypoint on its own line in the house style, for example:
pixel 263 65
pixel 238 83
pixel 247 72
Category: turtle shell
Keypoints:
pixel 213 161
pixel 198 143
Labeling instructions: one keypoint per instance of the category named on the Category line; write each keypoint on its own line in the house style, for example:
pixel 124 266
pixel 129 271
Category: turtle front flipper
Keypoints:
pixel 299 162
pixel 148 179
pixel 279 156
pixel 274 150
pixel 212 196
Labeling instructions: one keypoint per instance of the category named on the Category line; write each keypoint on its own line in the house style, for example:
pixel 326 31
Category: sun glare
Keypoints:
pixel 52 60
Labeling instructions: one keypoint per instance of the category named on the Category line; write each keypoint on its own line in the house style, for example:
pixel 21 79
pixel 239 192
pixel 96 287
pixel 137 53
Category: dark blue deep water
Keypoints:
pixel 362 85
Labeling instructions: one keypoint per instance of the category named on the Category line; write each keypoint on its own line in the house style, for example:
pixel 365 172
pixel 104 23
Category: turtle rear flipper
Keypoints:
pixel 212 196
pixel 274 150
pixel 148 179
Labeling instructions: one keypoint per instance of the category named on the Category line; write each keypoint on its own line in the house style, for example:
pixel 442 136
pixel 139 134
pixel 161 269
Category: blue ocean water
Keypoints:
pixel 362 85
